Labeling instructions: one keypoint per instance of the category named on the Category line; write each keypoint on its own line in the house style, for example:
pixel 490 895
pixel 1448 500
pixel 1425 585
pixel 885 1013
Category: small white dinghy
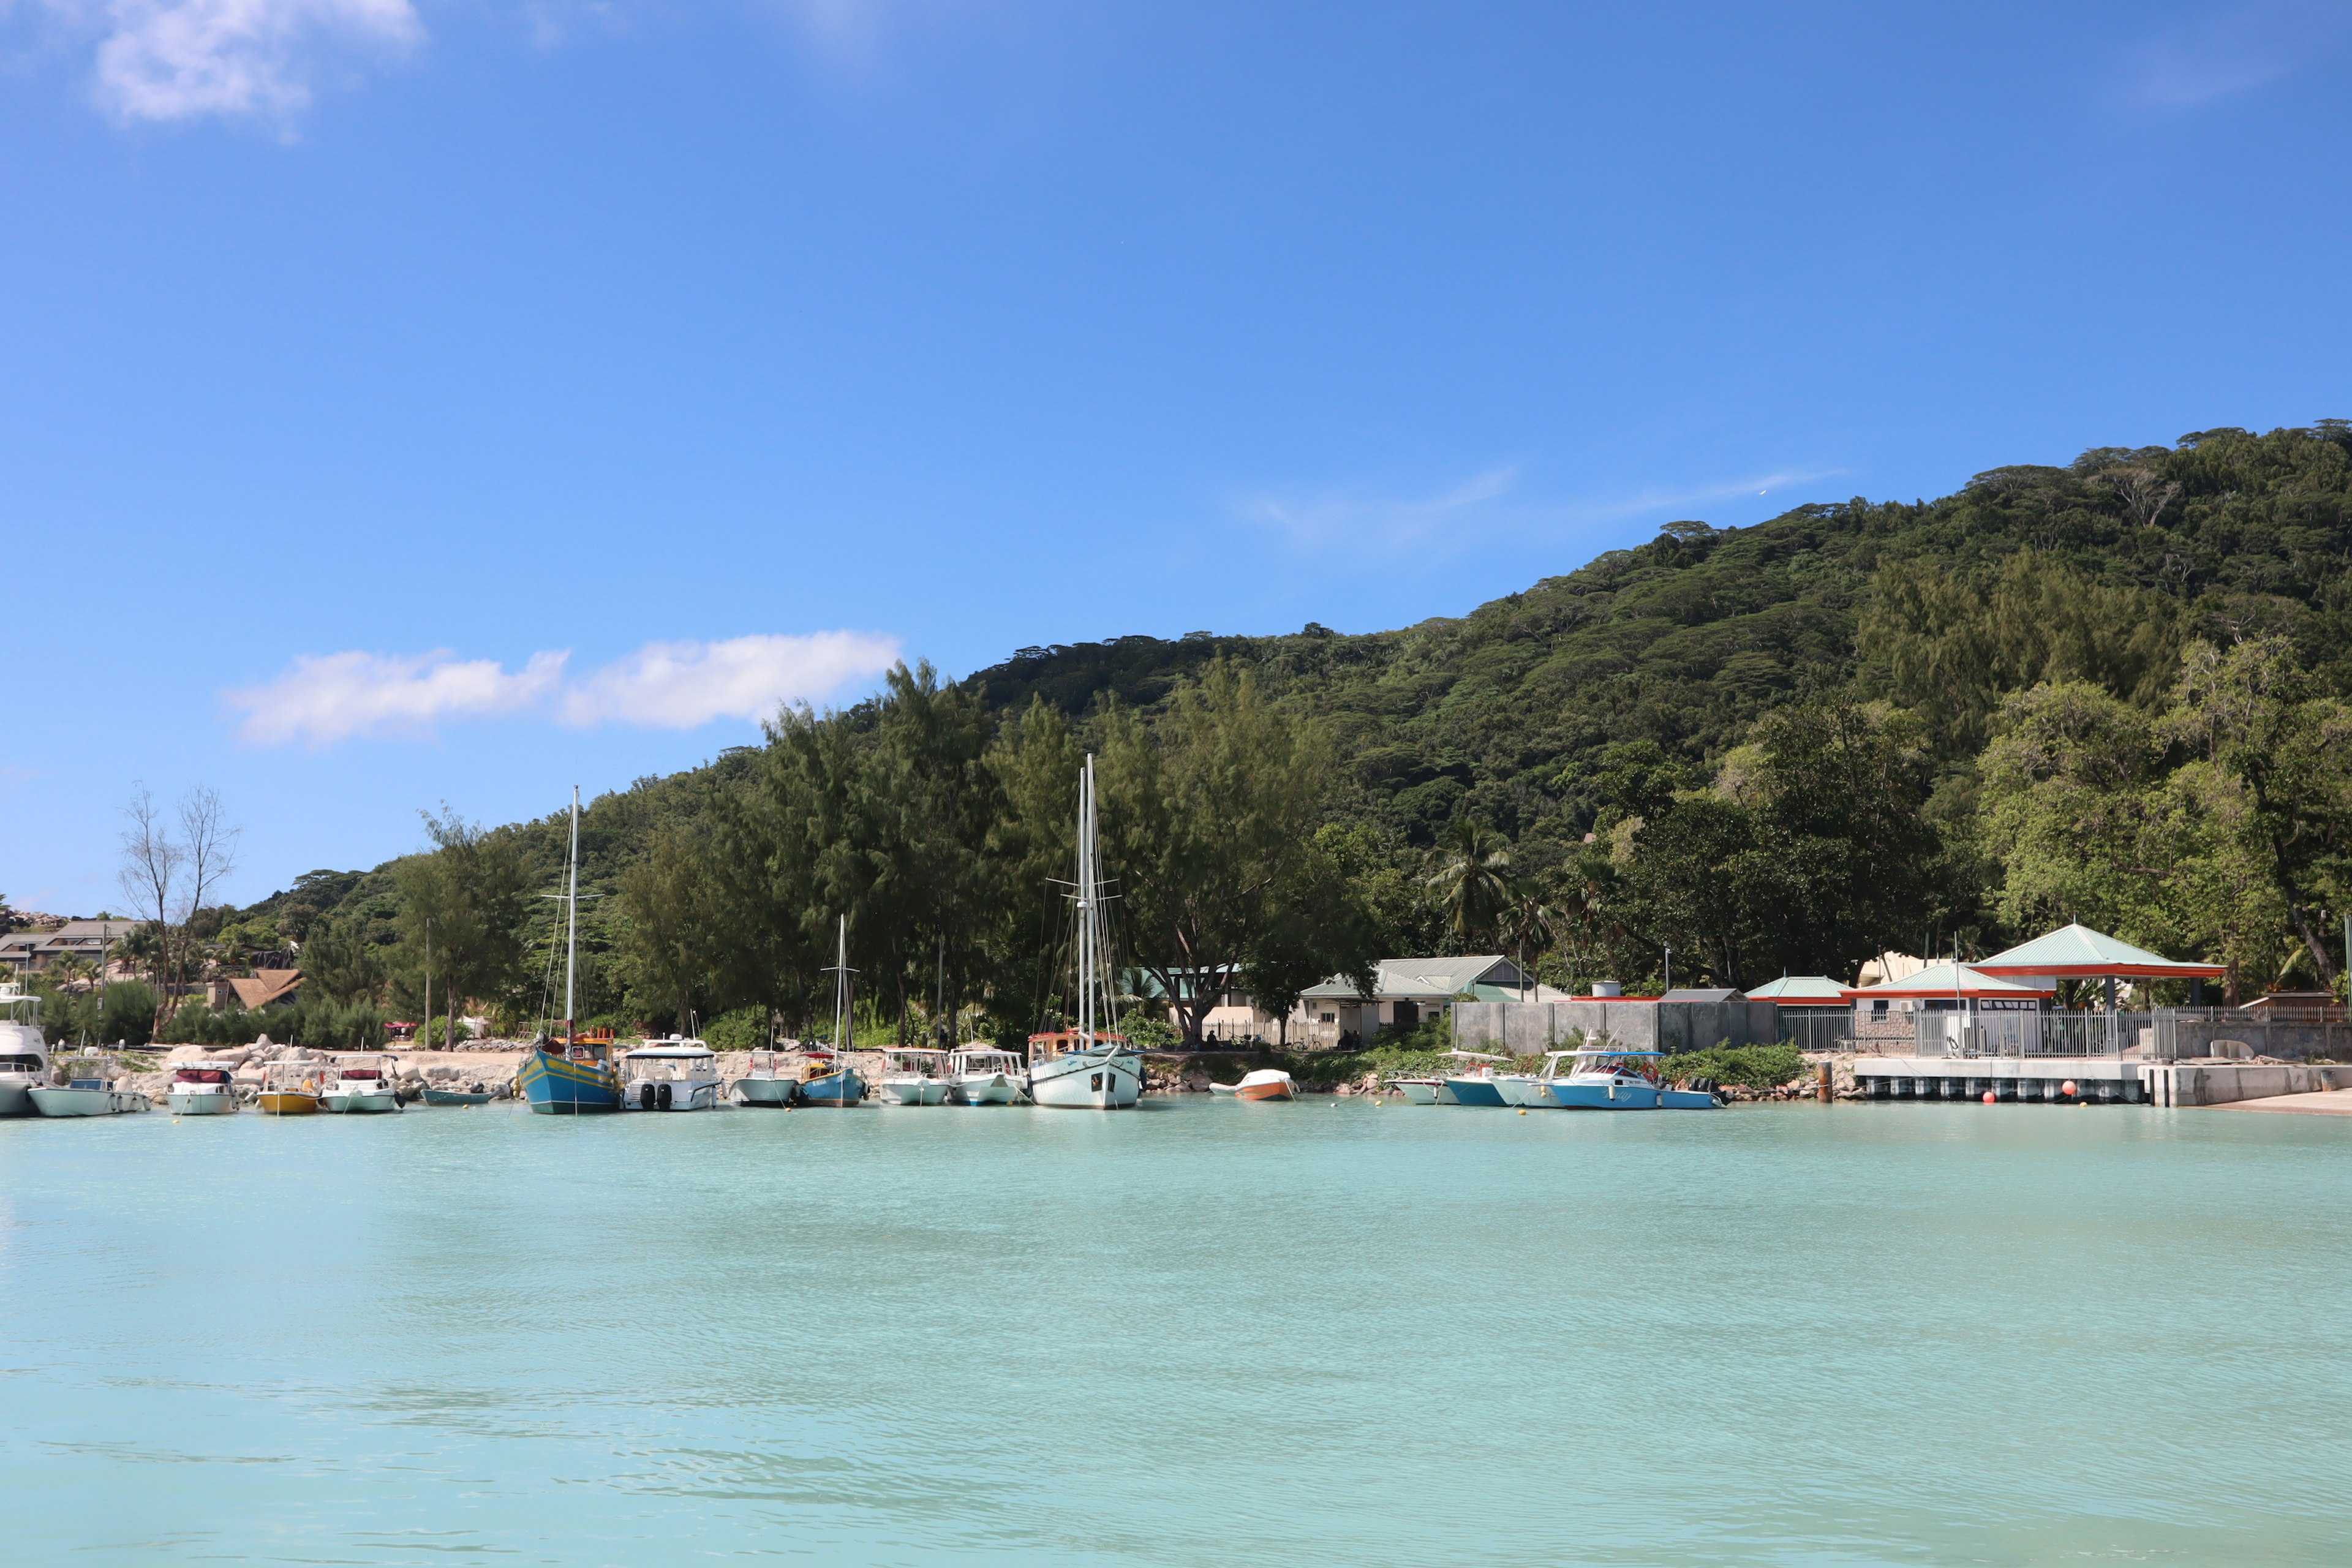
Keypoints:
pixel 1267 1083
pixel 361 1085
pixel 986 1076
pixel 88 1097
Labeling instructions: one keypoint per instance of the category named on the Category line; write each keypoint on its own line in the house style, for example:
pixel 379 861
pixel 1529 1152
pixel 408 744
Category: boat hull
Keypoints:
pixel 201 1104
pixel 1475 1091
pixel 1604 1097
pixel 16 1100
pixel 913 1090
pixel 1687 1099
pixel 458 1096
pixel 772 1092
pixel 682 1096
pixel 51 1101
pixel 1264 1091
pixel 286 1102
pixel 841 1088
pixel 1416 1091
pixel 371 1102
pixel 1519 1089
pixel 1089 1080
pixel 987 1089
pixel 555 1086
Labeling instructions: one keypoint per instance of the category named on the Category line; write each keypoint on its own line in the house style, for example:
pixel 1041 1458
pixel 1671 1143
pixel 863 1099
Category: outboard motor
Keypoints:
pixel 645 1097
pixel 665 1096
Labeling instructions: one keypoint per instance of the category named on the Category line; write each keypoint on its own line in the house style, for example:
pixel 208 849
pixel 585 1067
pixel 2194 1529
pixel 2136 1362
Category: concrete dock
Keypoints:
pixel 2107 1080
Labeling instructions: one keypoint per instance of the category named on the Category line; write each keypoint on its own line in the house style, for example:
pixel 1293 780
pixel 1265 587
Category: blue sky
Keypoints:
pixel 406 401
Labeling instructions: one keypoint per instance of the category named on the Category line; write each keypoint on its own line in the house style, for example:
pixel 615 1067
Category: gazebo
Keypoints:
pixel 2078 953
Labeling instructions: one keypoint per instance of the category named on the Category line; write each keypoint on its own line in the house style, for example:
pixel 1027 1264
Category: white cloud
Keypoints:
pixel 680 684
pixel 326 698
pixel 2232 51
pixel 184 60
pixel 1332 517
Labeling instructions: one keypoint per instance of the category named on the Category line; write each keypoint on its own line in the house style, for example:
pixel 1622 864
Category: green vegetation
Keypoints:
pixel 2113 690
pixel 1749 1067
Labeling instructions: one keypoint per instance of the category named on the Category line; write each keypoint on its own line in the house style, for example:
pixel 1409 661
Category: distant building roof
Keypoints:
pixel 1710 994
pixel 1800 991
pixel 1404 979
pixel 2078 953
pixel 1941 981
pixel 267 985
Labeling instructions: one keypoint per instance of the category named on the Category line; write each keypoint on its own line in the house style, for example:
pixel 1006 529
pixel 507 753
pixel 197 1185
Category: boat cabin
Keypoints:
pixel 1593 1063
pixel 1062 1041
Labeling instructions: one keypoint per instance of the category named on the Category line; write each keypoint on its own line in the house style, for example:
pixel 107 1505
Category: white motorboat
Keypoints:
pixel 986 1076
pixel 670 1074
pixel 360 1085
pixel 88 1097
pixel 1474 1085
pixel 1418 1091
pixel 24 1050
pixel 200 1091
pixel 770 1080
pixel 1084 1068
pixel 914 1075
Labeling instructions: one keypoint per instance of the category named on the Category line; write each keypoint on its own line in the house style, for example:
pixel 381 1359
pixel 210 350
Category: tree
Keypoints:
pixel 673 929
pixel 338 963
pixel 150 878
pixel 1473 884
pixel 1208 824
pixel 472 887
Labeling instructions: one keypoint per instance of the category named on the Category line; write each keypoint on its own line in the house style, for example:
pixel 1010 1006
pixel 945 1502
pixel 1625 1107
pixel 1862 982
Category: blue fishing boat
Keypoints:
pixel 1611 1079
pixel 1473 1085
pixel 570 1071
pixel 827 1078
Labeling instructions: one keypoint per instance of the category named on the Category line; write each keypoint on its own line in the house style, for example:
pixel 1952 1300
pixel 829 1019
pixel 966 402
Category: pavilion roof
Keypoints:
pixel 1798 991
pixel 2078 953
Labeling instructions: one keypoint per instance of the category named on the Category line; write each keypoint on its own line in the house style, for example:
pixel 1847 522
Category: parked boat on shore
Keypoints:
pixel 985 1076
pixel 200 1091
pixel 914 1075
pixel 1266 1083
pixel 88 1097
pixel 671 1074
pixel 24 1050
pixel 360 1084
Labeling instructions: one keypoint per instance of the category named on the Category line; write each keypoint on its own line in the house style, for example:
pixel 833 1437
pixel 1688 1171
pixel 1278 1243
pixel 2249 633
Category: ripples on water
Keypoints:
pixel 1198 1333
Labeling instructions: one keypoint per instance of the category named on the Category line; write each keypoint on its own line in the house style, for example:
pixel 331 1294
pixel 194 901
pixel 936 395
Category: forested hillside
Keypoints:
pixel 2113 690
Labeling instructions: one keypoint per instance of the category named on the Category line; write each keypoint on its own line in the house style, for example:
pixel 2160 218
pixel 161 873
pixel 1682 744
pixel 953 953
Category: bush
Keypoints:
pixel 1149 1034
pixel 744 1029
pixel 1749 1067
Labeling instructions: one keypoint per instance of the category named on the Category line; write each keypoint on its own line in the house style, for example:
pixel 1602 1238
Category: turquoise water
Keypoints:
pixel 1200 1332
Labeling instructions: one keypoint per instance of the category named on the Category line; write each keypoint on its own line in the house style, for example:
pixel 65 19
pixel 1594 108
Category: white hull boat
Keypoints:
pixel 1417 1090
pixel 913 1092
pixel 913 1075
pixel 984 1076
pixel 359 1102
pixel 769 1091
pixel 672 1074
pixel 361 1085
pixel 1107 1077
pixel 201 1102
pixel 24 1050
pixel 88 1097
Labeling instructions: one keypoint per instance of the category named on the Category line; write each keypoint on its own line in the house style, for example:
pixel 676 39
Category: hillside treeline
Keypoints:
pixel 2112 692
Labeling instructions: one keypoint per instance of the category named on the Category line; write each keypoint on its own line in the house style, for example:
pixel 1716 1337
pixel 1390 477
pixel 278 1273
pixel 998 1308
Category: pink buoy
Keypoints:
pixel 1991 1097
pixel 2067 1088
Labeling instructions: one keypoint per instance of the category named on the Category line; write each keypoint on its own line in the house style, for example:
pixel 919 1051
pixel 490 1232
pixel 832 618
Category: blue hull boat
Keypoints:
pixel 1603 1096
pixel 555 1085
pixel 839 1089
pixel 1475 1091
pixel 1603 1078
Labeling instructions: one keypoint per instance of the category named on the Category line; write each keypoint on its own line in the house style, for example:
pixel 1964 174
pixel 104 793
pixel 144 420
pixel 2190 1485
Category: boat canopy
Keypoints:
pixel 361 1072
pixel 1604 1051
pixel 1475 1056
pixel 690 1051
pixel 202 1075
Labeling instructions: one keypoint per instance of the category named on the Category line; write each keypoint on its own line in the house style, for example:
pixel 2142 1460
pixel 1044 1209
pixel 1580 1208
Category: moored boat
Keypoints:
pixel 1266 1083
pixel 1418 1091
pixel 360 1084
pixel 913 1075
pixel 88 1097
pixel 826 1080
pixel 568 1071
pixel 200 1091
pixel 672 1074
pixel 478 1095
pixel 1086 1067
pixel 287 1089
pixel 24 1050
pixel 1602 1078
pixel 1473 1085
pixel 985 1076
pixel 769 1080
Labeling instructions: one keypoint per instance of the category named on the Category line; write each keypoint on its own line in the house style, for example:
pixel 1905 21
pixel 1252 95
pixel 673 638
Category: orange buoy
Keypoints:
pixel 2067 1088
pixel 1522 1110
pixel 1991 1097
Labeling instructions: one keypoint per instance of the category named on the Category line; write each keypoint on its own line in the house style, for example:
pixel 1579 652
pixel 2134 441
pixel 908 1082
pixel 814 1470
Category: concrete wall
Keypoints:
pixel 1529 1029
pixel 2286 1036
pixel 2204 1084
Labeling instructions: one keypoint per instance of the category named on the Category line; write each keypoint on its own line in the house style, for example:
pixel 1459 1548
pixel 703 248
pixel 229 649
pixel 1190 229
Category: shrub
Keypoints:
pixel 1149 1034
pixel 1749 1067
pixel 744 1029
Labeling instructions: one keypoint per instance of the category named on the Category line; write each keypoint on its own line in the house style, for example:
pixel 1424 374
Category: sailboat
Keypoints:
pixel 827 1079
pixel 1084 1068
pixel 567 1074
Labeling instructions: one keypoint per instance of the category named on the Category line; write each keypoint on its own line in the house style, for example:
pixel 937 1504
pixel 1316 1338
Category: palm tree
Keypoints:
pixel 1472 883
pixel 1530 923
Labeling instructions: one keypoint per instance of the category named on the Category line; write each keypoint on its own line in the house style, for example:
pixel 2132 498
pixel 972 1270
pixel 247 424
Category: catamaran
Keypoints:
pixel 985 1074
pixel 24 1049
pixel 1086 1068
pixel 673 1074
pixel 567 1073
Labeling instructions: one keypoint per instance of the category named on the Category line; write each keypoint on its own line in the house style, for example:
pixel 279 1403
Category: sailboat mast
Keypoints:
pixel 572 916
pixel 841 987
pixel 1086 903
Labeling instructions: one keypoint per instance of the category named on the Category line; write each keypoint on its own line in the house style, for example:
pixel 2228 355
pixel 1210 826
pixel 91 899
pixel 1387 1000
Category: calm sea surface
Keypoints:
pixel 1198 1333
